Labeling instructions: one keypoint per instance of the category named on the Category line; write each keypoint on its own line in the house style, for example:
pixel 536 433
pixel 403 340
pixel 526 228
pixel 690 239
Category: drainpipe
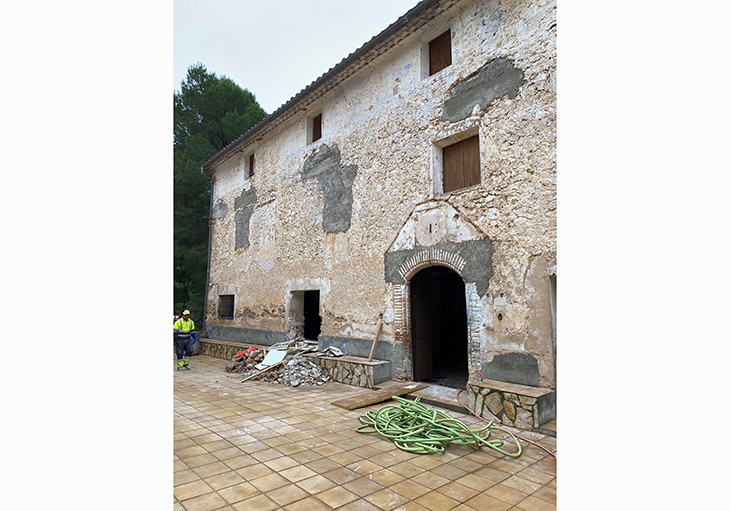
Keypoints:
pixel 210 238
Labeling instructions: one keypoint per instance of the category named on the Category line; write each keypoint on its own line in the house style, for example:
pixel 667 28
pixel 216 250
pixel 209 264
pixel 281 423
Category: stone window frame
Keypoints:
pixel 430 35
pixel 437 161
pixel 248 153
pixel 221 302
pixel 311 119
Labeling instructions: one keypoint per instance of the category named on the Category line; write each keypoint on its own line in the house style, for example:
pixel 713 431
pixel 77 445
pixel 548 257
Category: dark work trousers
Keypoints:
pixel 184 345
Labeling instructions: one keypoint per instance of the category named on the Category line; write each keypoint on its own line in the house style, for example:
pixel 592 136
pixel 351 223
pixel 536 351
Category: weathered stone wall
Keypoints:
pixel 324 215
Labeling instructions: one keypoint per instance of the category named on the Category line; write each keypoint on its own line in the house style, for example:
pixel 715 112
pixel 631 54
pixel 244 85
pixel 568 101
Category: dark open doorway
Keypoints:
pixel 439 327
pixel 312 319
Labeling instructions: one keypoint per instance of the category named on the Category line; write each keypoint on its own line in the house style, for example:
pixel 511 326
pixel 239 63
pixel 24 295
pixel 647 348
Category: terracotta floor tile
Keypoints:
pixel 328 449
pixel 364 467
pixel 409 489
pixel 363 486
pixel 240 461
pixel 458 492
pixel 291 448
pixel 406 469
pixel 548 465
pixel 281 463
pixel 336 497
pixel 547 494
pixel 430 480
pixel 306 456
pixel 535 504
pixel 266 454
pixel 506 494
pixel 254 472
pixel 316 484
pixel 345 458
pixel 189 452
pixel 322 465
pixel 341 475
pixel 211 469
pixel 224 480
pixel 496 476
pixel 386 499
pixel 208 502
pixel 227 453
pixel 257 503
pixel 437 501
pixel 487 502
pixel 411 506
pixel 297 473
pixel 535 476
pixel 507 465
pixel 359 505
pixel 386 477
pixel 449 472
pixel 190 490
pixel 269 482
pixel 308 504
pixel 465 464
pixel 521 484
pixel 184 477
pixel 239 492
pixel 366 451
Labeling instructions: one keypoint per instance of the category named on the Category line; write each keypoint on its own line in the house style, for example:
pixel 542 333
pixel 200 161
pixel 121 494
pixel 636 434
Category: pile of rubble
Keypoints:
pixel 245 361
pixel 296 372
pixel 279 367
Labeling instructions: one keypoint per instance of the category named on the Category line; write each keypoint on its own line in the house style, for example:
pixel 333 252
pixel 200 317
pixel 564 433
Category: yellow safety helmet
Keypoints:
pixel 186 312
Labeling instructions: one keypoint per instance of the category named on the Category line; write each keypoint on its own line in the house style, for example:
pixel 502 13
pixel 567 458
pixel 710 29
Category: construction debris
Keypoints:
pixel 294 372
pixel 245 361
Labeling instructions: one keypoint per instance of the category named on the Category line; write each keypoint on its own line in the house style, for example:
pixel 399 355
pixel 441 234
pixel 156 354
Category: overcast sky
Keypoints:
pixel 276 48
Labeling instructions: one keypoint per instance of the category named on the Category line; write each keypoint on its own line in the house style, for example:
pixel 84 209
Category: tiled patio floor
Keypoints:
pixel 258 446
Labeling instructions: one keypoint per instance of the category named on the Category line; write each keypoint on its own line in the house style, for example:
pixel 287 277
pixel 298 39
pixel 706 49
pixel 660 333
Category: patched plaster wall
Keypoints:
pixel 332 210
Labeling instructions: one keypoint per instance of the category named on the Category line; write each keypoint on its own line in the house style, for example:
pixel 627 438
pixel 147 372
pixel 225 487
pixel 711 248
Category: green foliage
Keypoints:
pixel 210 112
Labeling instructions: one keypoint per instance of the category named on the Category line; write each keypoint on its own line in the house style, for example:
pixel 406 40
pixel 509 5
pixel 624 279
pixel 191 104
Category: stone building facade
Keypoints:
pixel 413 186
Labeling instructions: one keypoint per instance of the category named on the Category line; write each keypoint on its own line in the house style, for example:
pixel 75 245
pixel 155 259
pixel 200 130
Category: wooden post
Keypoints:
pixel 375 341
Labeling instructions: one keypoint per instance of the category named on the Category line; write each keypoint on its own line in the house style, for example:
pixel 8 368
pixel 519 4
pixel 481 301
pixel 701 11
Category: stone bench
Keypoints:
pixel 515 405
pixel 350 370
pixel 356 371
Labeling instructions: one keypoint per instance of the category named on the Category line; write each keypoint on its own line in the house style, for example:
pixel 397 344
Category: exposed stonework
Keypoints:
pixel 358 213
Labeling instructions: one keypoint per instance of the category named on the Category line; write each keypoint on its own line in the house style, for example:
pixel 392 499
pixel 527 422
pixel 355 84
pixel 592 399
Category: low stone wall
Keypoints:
pixel 514 405
pixel 359 372
pixel 220 349
pixel 353 371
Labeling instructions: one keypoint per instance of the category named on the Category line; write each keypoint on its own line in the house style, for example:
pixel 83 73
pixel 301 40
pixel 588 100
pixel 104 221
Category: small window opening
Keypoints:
pixel 439 53
pixel 250 165
pixel 225 306
pixel 461 164
pixel 316 127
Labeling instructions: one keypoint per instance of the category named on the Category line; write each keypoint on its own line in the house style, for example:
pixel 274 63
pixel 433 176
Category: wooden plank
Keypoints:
pixel 377 396
pixel 375 340
pixel 472 169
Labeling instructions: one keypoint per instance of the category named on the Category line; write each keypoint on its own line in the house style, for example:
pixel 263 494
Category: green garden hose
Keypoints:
pixel 415 428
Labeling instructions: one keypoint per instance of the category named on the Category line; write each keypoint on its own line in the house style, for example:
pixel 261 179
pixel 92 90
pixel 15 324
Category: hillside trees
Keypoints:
pixel 209 113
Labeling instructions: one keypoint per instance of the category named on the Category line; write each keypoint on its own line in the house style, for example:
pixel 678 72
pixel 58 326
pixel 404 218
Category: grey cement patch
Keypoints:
pixel 246 198
pixel 220 210
pixel 547 408
pixel 245 335
pixel 351 347
pixel 495 79
pixel 520 368
pixel 476 253
pixel 335 182
pixel 243 219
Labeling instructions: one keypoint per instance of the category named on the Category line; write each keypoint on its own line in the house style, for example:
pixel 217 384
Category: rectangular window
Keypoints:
pixel 461 164
pixel 316 127
pixel 439 53
pixel 225 306
pixel 250 165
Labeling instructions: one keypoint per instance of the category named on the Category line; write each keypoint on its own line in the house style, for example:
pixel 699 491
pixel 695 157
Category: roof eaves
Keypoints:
pixel 394 27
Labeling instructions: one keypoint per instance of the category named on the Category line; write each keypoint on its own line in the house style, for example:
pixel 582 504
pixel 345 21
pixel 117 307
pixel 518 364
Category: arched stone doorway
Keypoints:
pixel 439 328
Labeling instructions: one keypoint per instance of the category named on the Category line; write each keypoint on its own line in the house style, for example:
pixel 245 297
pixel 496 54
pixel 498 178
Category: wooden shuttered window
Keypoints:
pixel 250 165
pixel 439 53
pixel 461 164
pixel 316 127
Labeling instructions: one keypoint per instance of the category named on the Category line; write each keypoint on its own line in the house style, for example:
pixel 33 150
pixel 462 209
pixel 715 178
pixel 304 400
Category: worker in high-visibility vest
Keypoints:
pixel 183 330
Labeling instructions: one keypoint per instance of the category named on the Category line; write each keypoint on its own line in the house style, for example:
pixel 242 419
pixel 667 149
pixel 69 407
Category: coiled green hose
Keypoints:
pixel 418 429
